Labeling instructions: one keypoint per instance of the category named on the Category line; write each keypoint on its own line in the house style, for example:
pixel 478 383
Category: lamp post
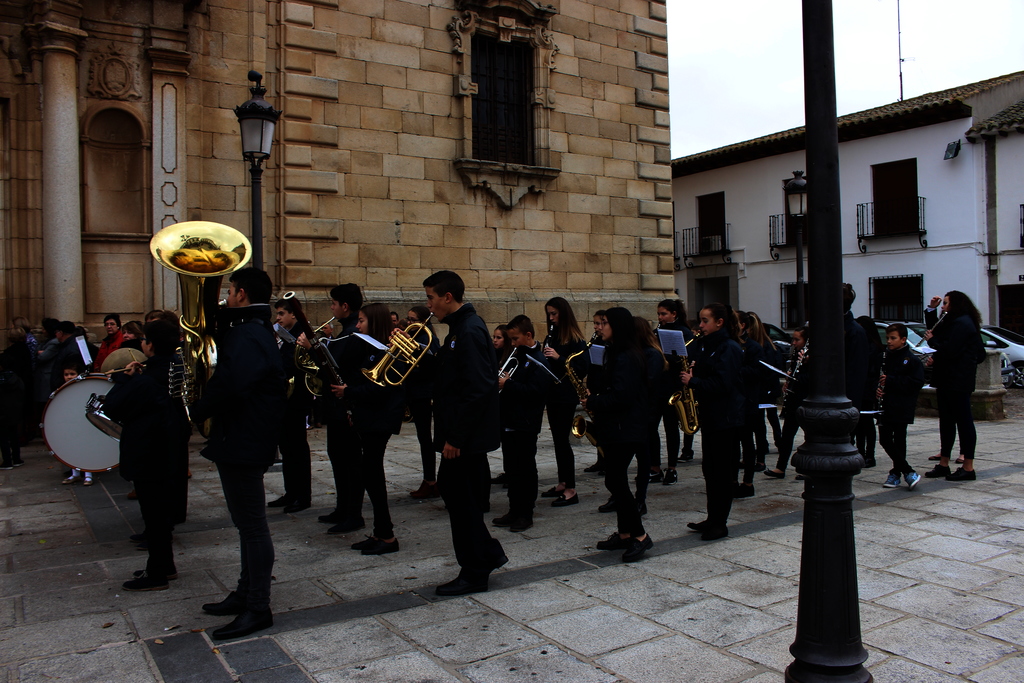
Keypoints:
pixel 828 646
pixel 796 214
pixel 256 119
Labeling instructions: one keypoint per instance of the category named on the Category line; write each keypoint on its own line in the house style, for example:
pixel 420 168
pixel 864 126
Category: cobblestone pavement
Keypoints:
pixel 941 583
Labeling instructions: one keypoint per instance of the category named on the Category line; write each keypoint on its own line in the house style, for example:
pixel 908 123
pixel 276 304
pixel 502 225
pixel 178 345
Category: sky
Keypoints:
pixel 736 70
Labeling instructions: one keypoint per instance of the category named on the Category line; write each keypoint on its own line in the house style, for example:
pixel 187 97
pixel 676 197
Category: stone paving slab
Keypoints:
pixel 940 568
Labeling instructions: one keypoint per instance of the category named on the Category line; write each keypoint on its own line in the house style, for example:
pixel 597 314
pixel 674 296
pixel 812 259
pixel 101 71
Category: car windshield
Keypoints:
pixel 915 335
pixel 1006 334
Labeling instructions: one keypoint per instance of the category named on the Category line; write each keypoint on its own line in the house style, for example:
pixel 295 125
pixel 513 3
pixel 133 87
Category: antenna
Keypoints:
pixel 899 46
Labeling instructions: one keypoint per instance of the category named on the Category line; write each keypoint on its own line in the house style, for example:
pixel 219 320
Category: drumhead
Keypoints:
pixel 120 358
pixel 69 435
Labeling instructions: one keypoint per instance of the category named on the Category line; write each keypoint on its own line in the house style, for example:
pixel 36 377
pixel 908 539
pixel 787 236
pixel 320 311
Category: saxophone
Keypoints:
pixel 685 402
pixel 581 427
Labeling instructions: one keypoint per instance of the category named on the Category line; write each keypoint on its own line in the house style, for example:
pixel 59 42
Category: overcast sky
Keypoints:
pixel 736 65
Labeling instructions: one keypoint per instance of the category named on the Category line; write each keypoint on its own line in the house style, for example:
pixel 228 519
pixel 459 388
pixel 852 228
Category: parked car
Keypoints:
pixel 779 337
pixel 1011 345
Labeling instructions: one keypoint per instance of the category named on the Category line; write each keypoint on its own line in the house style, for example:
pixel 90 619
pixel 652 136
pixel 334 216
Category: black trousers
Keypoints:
pixel 371 470
pixel 617 459
pixel 243 492
pixel 955 417
pixel 865 436
pixel 751 454
pixel 422 412
pixel 785 444
pixel 295 458
pixel 720 451
pixel 157 503
pixel 461 480
pixel 560 416
pixel 687 452
pixel 773 419
pixel 893 438
pixel 519 451
pixel 672 439
pixel 344 452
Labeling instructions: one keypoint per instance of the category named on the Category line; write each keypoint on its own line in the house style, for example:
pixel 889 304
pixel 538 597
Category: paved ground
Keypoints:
pixel 941 584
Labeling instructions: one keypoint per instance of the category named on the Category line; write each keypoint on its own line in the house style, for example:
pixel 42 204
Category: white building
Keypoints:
pixel 932 192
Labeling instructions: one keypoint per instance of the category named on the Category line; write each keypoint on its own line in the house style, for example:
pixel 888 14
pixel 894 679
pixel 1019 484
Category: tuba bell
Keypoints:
pixel 201 253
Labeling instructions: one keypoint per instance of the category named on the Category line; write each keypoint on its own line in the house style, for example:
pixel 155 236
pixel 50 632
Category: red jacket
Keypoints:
pixel 108 346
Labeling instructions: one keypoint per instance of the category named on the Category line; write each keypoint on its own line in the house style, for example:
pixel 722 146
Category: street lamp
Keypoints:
pixel 796 214
pixel 827 646
pixel 256 119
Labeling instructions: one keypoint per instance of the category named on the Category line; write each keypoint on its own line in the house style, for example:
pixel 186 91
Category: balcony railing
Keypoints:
pixel 782 235
pixel 891 218
pixel 1022 226
pixel 703 241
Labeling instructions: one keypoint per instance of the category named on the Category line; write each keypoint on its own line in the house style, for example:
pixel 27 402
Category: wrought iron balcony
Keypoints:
pixel 702 241
pixel 1022 226
pixel 782 235
pixel 891 218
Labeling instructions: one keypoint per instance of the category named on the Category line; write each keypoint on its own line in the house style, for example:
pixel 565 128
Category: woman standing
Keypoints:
pixel 418 396
pixel 657 386
pixel 672 316
pixel 715 380
pixel 376 415
pixel 772 389
pixel 958 348
pixel 564 339
pixel 620 418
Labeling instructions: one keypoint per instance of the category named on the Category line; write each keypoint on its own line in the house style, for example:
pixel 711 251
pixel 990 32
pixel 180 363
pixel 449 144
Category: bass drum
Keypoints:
pixel 69 434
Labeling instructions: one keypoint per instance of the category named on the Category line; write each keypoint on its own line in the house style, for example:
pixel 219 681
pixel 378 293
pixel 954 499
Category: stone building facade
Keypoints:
pixel 523 144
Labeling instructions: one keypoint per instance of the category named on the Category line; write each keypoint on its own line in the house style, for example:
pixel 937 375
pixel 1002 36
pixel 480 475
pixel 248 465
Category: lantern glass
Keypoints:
pixel 257 137
pixel 797 203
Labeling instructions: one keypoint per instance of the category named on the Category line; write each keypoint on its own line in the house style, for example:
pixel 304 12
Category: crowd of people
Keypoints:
pixel 467 395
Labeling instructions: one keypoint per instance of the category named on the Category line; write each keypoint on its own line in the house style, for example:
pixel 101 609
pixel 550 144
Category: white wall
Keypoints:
pixel 1010 193
pixel 954 219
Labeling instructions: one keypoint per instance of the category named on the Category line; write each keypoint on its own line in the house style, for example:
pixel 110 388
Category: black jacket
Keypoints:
pixel 375 409
pixel 522 398
pixel 716 382
pixel 799 387
pixel 563 392
pixel 466 413
pixel 658 383
pixel 621 413
pixel 155 427
pixel 246 394
pixel 347 352
pixel 904 377
pixel 856 360
pixel 868 400
pixel 773 384
pixel 958 351
pixel 752 377
pixel 66 350
pixel 420 384
pixel 12 399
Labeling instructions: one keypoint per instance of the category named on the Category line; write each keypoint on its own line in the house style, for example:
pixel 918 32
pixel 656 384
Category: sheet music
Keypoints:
pixel 774 369
pixel 83 348
pixel 283 333
pixel 596 355
pixel 672 341
pixel 371 341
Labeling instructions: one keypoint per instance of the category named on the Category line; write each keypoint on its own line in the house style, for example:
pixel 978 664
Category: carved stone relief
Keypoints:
pixel 114 76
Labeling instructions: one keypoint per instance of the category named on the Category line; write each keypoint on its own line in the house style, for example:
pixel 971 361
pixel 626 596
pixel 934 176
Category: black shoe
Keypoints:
pixel 347 526
pixel 295 507
pixel 800 477
pixel 500 479
pixel 281 502
pixel 699 526
pixel 654 477
pixel 596 467
pixel 137 538
pixel 759 467
pixel 642 507
pixel 614 542
pixel 461 586
pixel 368 542
pixel 145 583
pixel 714 533
pixel 937 471
pixel 504 520
pixel 552 492
pixel 775 475
pixel 520 524
pixel 233 604
pixel 245 623
pixel 6 465
pixel 869 463
pixel 18 462
pixel 562 501
pixel 500 563
pixel 686 456
pixel 671 477
pixel 743 491
pixel 144 545
pixel 961 475
pixel 637 549
pixel 608 507
pixel 332 518
pixel 139 573
pixel 380 547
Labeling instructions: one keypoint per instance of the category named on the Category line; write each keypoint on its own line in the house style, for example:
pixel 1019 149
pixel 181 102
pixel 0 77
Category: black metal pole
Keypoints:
pixel 828 644
pixel 256 171
pixel 801 310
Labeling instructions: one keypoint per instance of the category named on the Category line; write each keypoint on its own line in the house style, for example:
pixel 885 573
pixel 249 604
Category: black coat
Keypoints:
pixel 658 384
pixel 12 399
pixel 904 377
pixel 466 413
pixel 348 353
pixel 856 360
pixel 621 413
pixel 716 382
pixel 155 427
pixel 67 349
pixel 752 377
pixel 522 398
pixel 375 409
pixel 246 394
pixel 563 392
pixel 958 350
pixel 868 400
pixel 773 385
pixel 420 384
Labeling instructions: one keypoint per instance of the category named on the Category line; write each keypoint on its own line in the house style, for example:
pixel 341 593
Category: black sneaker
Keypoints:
pixel 614 542
pixel 139 573
pixel 686 456
pixel 5 465
pixel 671 477
pixel 145 583
pixel 937 471
pixel 655 477
pixel 743 491
pixel 504 520
pixel 869 462
pixel 961 475
pixel 637 549
pixel 18 462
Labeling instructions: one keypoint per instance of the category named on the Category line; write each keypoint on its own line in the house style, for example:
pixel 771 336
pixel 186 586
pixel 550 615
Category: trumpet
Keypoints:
pixel 403 348
pixel 510 365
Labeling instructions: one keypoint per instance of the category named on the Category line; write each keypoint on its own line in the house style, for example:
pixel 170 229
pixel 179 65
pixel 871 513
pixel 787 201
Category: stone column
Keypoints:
pixel 62 210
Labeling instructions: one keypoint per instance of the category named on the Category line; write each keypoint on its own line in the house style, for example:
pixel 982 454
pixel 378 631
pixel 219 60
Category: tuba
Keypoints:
pixel 201 253
pixel 685 402
pixel 404 349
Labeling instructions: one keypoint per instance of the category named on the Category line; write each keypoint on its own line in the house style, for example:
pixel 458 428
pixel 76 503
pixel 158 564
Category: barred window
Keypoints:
pixel 898 298
pixel 502 115
pixel 790 317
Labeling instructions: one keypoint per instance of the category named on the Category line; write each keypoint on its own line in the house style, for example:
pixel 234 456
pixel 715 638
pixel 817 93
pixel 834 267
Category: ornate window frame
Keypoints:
pixel 506 20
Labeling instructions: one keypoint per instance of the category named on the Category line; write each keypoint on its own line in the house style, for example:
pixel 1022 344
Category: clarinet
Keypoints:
pixel 881 387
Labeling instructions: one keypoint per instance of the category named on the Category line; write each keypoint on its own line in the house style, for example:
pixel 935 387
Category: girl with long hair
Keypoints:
pixel 502 344
pixel 419 396
pixel 795 390
pixel 672 316
pixel 564 339
pixel 773 357
pixel 715 380
pixel 658 392
pixel 620 417
pixel 958 348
